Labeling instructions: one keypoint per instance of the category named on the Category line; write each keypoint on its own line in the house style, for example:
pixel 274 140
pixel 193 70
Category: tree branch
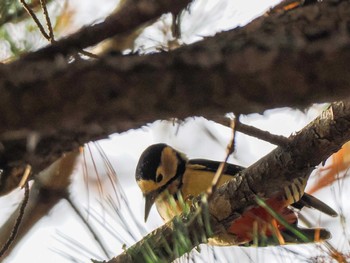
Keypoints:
pixel 323 136
pixel 285 59
pixel 278 60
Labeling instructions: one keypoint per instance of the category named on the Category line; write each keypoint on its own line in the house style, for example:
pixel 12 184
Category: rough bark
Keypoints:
pixel 323 136
pixel 291 58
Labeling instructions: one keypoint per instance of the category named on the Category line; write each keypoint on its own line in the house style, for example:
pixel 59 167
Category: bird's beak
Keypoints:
pixel 150 198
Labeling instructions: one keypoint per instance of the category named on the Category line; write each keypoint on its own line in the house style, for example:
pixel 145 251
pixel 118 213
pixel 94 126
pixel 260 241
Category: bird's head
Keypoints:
pixel 160 168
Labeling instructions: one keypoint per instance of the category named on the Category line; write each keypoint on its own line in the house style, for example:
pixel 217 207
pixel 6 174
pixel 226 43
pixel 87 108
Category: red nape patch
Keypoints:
pixel 257 221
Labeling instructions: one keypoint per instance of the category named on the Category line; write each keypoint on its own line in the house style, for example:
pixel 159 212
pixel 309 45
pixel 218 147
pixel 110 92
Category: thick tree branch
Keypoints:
pixel 284 59
pixel 323 136
pixel 290 59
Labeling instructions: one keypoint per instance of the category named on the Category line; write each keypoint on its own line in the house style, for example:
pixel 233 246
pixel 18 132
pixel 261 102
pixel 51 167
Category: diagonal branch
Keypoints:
pixel 309 147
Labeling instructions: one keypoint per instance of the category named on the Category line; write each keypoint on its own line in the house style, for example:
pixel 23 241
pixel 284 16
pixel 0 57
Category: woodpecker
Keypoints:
pixel 163 173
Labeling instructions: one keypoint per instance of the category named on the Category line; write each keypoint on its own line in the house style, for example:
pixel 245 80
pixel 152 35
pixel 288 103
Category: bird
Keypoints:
pixel 163 173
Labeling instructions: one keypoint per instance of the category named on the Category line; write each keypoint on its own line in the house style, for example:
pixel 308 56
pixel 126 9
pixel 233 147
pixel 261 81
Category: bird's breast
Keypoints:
pixel 194 182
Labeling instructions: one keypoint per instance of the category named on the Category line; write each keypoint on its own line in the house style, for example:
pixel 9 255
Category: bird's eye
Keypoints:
pixel 159 178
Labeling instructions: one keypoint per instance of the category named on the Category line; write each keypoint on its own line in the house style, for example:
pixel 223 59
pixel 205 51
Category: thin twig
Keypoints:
pixel 220 171
pixel 25 176
pixel 36 20
pixel 278 140
pixel 262 135
pixel 14 231
pixel 48 21
pixel 50 37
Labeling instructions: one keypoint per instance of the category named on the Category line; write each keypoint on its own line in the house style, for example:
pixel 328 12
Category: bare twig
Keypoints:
pixel 221 169
pixel 25 177
pixel 287 5
pixel 50 37
pixel 262 135
pixel 34 17
pixel 278 140
pixel 14 232
pixel 48 21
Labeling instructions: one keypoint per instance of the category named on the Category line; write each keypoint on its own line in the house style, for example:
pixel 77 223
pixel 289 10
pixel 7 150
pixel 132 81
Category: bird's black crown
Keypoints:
pixel 149 162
